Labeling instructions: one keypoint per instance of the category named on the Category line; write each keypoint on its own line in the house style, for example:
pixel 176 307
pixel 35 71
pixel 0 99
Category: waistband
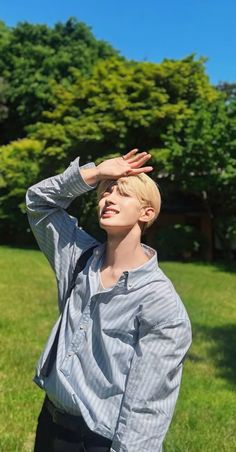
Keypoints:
pixel 68 421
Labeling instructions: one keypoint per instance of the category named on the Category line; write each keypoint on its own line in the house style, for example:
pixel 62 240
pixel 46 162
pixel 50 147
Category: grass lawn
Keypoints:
pixel 205 416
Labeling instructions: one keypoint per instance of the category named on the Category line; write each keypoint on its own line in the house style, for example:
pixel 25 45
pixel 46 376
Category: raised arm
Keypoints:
pixel 56 232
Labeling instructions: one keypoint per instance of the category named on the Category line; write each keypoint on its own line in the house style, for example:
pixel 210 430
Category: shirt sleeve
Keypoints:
pixel 56 232
pixel 152 387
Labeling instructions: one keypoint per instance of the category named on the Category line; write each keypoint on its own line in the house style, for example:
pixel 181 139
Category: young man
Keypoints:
pixel 112 365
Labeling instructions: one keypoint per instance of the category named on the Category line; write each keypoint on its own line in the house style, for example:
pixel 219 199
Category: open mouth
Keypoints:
pixel 109 213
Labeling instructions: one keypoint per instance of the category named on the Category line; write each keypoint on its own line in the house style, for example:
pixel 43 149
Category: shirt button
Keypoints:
pixel 81 327
pixel 70 354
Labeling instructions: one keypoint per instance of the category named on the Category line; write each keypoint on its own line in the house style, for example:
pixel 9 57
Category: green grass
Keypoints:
pixel 204 418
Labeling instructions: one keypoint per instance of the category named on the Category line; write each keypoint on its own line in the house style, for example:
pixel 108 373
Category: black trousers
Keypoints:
pixel 51 437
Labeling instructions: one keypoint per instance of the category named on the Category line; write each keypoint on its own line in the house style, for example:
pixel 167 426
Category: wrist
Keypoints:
pixel 91 175
pixel 99 173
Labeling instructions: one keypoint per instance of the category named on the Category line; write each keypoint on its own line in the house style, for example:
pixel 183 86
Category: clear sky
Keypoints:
pixel 147 29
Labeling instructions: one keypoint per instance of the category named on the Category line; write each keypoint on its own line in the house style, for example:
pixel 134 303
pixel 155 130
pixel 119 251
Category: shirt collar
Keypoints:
pixel 139 276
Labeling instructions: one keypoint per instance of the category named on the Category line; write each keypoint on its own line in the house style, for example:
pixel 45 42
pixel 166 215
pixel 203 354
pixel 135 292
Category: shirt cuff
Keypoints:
pixel 73 179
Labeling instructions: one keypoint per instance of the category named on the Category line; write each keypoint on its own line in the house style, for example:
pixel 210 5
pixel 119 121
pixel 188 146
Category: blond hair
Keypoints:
pixel 140 185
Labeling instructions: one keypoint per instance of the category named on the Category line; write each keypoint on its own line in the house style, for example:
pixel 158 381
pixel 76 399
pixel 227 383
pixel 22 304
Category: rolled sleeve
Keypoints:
pixel 152 388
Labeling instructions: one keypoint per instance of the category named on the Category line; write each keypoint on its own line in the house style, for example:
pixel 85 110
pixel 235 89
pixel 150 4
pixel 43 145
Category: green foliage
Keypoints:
pixel 181 242
pixel 19 168
pixel 122 105
pixel 200 158
pixel 32 57
pixel 225 228
pixel 198 150
pixel 168 108
pixel 3 94
pixel 77 96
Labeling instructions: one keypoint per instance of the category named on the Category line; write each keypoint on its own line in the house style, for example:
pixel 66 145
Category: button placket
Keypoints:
pixel 80 335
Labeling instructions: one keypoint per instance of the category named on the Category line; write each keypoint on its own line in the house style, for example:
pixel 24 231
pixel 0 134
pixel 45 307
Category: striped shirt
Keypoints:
pixel 120 350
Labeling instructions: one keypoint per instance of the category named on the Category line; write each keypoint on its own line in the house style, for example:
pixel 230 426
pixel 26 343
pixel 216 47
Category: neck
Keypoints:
pixel 124 251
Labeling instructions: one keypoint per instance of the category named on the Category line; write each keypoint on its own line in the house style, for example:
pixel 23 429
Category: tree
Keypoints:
pixel 120 105
pixel 33 57
pixel 19 168
pixel 226 224
pixel 169 109
pixel 200 159
pixel 3 94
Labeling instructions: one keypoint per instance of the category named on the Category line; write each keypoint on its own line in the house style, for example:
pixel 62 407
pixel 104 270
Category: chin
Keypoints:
pixel 116 229
pixel 106 226
pixel 109 226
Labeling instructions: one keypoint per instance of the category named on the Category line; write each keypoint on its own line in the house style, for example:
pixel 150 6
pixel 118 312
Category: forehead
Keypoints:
pixel 124 186
pixel 116 186
pixel 111 184
pixel 120 188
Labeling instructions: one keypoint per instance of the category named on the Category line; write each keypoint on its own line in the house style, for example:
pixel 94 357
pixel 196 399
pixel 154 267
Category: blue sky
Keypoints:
pixel 147 29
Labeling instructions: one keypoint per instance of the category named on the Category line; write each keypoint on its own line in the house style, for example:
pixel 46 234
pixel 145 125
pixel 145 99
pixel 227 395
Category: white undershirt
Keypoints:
pixel 101 287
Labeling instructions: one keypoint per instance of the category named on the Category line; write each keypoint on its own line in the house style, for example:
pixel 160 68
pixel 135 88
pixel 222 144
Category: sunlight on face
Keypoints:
pixel 116 211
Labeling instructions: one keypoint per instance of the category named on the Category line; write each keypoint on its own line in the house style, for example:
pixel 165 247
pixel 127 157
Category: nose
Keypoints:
pixel 111 196
pixel 110 199
pixel 109 202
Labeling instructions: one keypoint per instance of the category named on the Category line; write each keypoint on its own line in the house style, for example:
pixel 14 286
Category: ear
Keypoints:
pixel 147 214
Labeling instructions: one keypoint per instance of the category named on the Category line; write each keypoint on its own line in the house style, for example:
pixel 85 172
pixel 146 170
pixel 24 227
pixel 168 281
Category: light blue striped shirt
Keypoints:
pixel 120 351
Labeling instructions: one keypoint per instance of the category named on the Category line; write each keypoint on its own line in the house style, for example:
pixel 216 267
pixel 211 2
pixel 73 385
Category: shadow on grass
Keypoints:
pixel 222 349
pixel 221 266
pixel 228 267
